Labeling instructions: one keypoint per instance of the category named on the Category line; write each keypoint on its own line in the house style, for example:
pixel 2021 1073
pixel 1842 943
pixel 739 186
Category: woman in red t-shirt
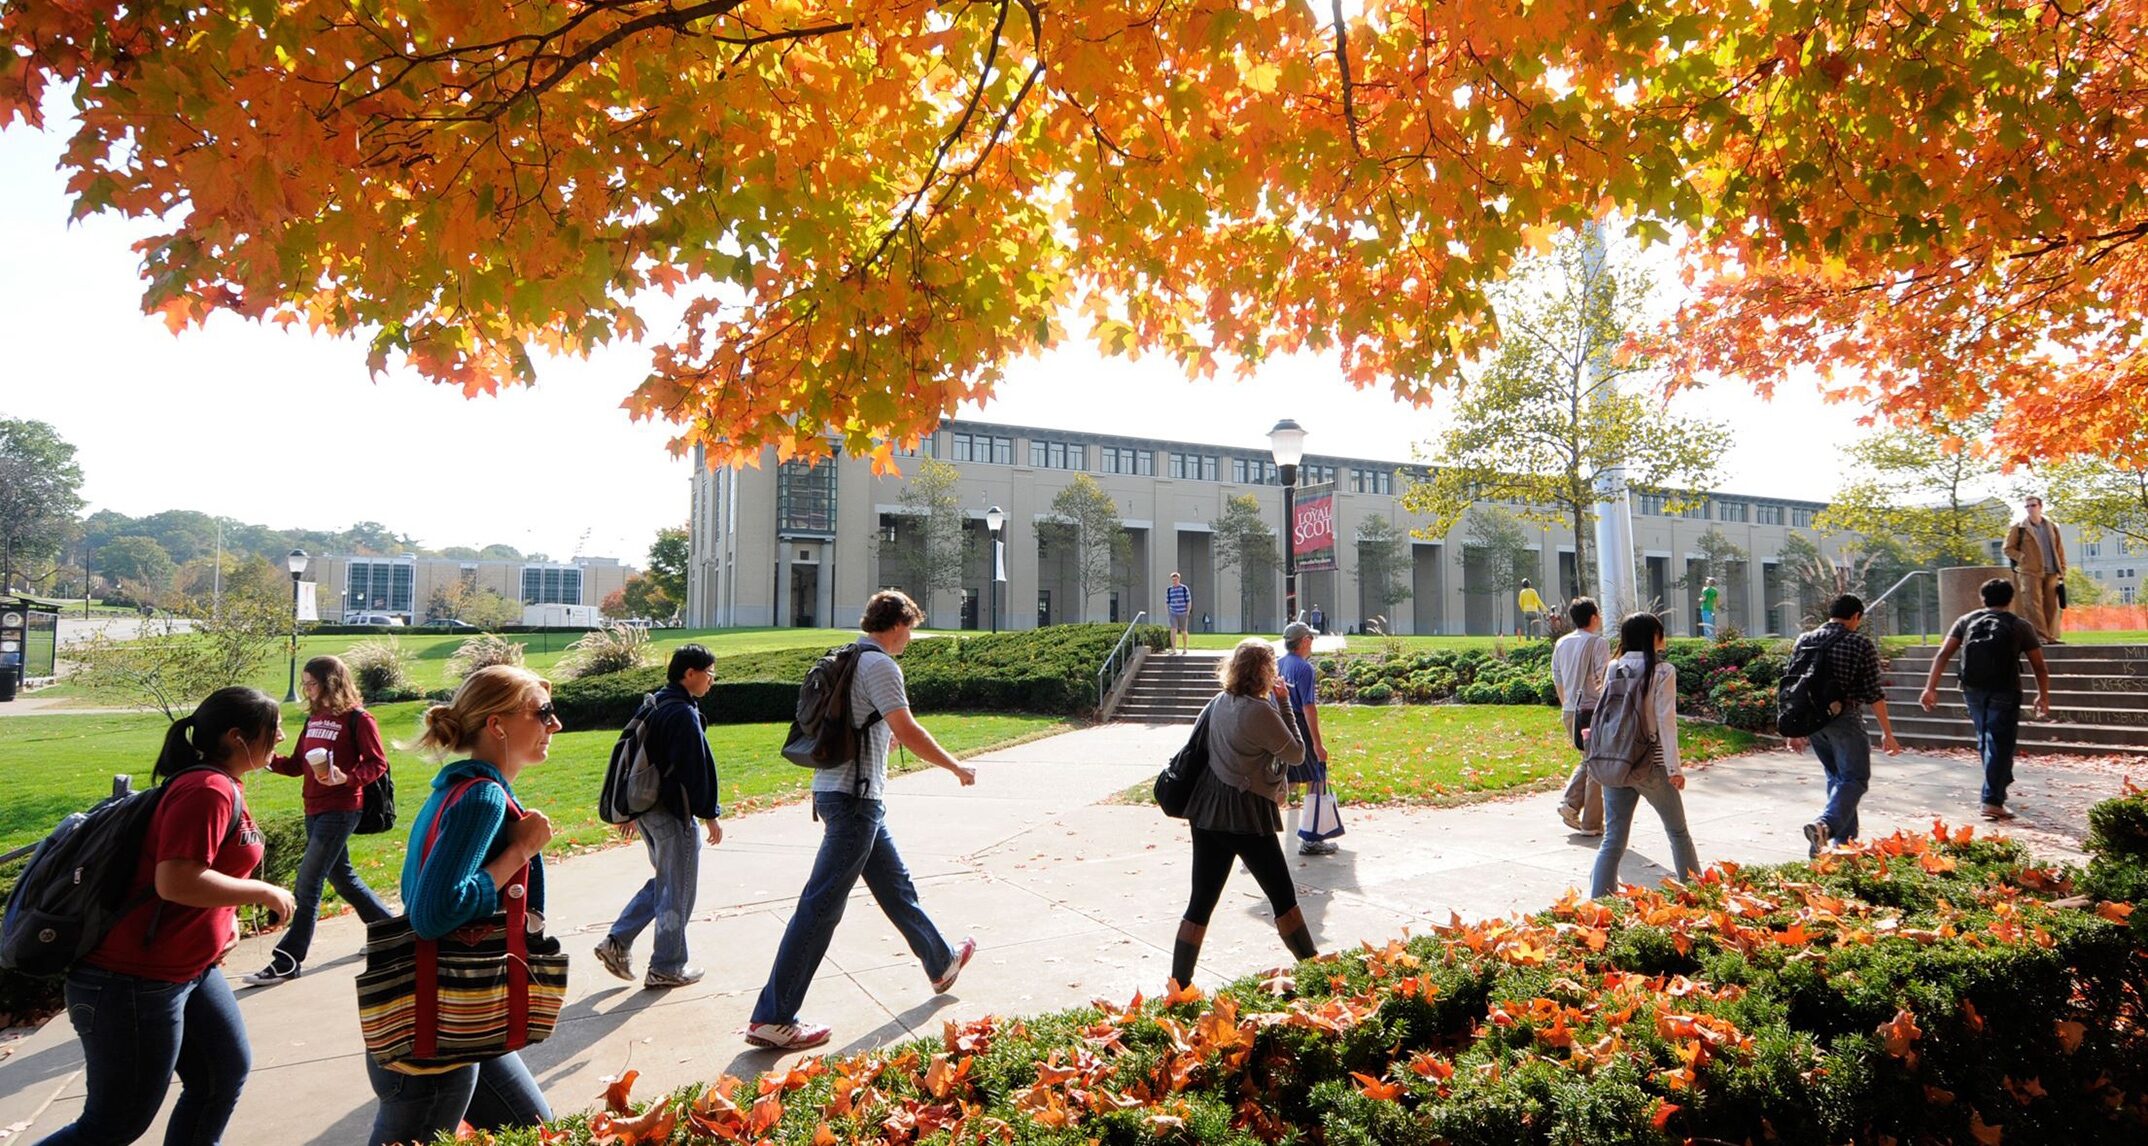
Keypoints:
pixel 347 742
pixel 150 999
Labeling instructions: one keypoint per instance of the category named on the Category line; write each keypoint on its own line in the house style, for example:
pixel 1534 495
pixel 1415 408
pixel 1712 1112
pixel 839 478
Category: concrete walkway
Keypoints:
pixel 1069 899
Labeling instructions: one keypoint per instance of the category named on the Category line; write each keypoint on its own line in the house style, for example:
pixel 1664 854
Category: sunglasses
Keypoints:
pixel 546 713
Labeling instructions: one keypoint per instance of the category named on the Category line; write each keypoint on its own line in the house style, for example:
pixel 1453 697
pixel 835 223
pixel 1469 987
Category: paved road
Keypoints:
pixel 1069 898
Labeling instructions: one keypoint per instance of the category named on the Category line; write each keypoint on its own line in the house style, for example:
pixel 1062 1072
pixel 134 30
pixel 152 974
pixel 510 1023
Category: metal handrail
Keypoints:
pixel 1882 598
pixel 1107 673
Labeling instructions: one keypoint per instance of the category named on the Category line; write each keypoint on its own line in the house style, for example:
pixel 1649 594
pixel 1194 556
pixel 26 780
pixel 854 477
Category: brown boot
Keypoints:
pixel 1291 925
pixel 1186 951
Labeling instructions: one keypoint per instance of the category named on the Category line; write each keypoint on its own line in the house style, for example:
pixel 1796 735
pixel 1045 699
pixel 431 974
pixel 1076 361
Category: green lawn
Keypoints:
pixel 58 764
pixel 430 649
pixel 1455 753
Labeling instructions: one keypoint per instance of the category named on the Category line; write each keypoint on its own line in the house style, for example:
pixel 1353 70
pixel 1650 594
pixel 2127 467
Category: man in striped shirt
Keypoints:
pixel 1178 599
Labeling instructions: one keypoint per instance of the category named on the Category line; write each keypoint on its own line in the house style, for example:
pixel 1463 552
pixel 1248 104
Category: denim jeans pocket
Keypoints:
pixel 82 1008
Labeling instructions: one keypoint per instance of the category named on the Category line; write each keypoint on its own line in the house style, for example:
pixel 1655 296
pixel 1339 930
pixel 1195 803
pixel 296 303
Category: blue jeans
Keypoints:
pixel 135 1032
pixel 1654 785
pixel 490 1095
pixel 1845 753
pixel 327 858
pixel 1997 717
pixel 668 898
pixel 855 842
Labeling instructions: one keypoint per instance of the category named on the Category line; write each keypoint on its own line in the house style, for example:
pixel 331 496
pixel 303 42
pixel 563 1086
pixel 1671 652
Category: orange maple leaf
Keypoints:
pixel 615 1095
pixel 2069 1034
pixel 1897 1035
pixel 1374 1089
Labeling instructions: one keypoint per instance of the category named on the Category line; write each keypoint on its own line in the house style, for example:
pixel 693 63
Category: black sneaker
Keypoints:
pixel 1815 838
pixel 281 967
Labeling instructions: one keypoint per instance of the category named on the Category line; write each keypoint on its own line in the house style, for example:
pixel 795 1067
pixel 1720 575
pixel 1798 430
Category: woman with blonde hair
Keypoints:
pixel 1234 810
pixel 339 752
pixel 500 722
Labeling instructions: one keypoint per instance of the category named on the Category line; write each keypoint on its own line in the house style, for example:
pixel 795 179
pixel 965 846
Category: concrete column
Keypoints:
pixel 1958 590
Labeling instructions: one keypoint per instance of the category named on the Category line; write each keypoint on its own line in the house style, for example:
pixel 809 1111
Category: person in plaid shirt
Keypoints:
pixel 1850 668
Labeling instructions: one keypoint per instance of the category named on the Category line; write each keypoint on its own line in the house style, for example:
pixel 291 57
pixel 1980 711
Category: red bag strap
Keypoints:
pixel 515 894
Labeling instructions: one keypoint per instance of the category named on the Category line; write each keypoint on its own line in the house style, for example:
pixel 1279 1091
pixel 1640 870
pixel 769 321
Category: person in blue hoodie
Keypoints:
pixel 500 722
pixel 678 745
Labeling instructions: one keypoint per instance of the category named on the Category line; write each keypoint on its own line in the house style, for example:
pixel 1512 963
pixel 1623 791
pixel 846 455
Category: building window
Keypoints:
pixel 551 585
pixel 1125 460
pixel 1254 471
pixel 968 447
pixel 1058 456
pixel 1801 517
pixel 1730 511
pixel 923 450
pixel 1194 467
pixel 2125 595
pixel 383 586
pixel 805 496
pixel 2092 548
pixel 1372 481
pixel 1697 511
pixel 1653 504
pixel 1766 514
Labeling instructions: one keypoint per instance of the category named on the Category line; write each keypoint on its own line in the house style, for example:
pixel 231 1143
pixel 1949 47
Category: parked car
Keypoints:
pixel 450 623
pixel 373 619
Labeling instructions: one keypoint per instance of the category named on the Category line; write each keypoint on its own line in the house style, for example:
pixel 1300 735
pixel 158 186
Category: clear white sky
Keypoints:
pixel 287 429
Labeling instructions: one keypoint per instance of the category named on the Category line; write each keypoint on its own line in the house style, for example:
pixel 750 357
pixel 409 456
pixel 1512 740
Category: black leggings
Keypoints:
pixel 1212 856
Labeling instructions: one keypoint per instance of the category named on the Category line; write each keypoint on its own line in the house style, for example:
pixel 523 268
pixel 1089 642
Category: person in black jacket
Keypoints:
pixel 680 748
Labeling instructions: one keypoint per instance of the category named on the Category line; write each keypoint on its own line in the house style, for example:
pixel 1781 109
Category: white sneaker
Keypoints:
pixel 787 1036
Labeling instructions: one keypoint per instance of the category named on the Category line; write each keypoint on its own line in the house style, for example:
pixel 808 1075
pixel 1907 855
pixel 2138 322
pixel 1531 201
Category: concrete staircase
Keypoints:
pixel 2099 702
pixel 1170 689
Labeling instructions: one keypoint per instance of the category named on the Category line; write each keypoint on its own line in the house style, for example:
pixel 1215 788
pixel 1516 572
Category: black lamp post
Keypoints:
pixel 994 518
pixel 1287 442
pixel 296 563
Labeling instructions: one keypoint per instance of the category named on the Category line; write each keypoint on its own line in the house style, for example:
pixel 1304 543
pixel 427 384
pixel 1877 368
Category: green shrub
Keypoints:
pixel 1375 693
pixel 1743 704
pixel 382 670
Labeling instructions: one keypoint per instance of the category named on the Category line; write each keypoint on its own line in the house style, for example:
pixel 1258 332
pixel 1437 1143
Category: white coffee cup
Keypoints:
pixel 317 758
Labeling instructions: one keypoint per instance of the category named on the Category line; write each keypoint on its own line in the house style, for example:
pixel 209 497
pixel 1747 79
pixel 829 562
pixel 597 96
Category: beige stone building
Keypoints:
pixel 400 586
pixel 789 544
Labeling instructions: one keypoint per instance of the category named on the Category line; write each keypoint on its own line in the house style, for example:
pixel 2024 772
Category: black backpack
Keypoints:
pixel 1991 658
pixel 821 734
pixel 377 813
pixel 1175 784
pixel 1806 700
pixel 74 889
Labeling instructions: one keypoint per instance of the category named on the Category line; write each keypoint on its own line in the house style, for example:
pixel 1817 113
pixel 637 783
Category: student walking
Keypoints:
pixel 1709 596
pixel 849 802
pixel 1234 810
pixel 339 753
pixel 1578 663
pixel 1529 609
pixel 1848 664
pixel 1659 779
pixel 1992 641
pixel 150 999
pixel 679 747
pixel 1310 777
pixel 2038 555
pixel 500 722
pixel 1178 601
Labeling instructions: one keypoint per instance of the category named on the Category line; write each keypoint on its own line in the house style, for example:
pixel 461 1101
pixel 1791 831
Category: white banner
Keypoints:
pixel 999 562
pixel 307 610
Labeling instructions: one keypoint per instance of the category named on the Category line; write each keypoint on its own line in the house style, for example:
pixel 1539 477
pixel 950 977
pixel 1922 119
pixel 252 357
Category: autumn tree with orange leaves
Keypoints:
pixel 873 205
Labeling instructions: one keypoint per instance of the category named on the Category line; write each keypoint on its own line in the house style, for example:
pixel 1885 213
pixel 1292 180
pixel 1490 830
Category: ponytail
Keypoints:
pixel 199 738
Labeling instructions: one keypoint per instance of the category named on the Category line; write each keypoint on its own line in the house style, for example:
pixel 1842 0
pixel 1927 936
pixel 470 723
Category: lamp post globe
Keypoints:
pixel 296 562
pixel 994 518
pixel 1286 441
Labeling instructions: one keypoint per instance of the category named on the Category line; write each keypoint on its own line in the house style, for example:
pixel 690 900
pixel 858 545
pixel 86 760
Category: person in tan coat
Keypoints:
pixel 2038 555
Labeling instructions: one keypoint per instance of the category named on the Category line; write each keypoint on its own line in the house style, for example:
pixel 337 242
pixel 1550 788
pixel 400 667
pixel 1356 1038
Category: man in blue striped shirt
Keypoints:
pixel 1179 600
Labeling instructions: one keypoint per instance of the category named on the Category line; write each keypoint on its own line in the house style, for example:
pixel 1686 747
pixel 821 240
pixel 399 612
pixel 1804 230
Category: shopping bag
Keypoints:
pixel 1323 816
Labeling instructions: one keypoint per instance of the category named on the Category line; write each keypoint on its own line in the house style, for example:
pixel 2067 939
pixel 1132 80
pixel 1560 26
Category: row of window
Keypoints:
pixel 967 447
pixel 389 586
pixel 1759 513
pixel 1372 481
pixel 551 586
pixel 1126 460
pixel 964 446
pixel 1058 456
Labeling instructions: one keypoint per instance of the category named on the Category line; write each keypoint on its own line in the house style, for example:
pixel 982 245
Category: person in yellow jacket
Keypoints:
pixel 2039 559
pixel 1531 606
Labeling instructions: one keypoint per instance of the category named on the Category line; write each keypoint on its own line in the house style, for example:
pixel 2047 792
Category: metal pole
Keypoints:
pixel 290 694
pixel 1290 543
pixel 994 578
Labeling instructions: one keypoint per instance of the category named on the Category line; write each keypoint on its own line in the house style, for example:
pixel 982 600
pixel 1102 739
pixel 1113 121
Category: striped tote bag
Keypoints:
pixel 475 994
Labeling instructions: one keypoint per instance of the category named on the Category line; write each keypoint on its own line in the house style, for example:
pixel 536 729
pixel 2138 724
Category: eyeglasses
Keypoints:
pixel 546 713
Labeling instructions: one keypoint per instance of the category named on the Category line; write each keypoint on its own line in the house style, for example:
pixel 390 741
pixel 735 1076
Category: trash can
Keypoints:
pixel 10 676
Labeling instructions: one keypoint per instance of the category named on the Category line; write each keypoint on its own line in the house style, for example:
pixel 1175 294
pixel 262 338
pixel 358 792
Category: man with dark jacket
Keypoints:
pixel 679 747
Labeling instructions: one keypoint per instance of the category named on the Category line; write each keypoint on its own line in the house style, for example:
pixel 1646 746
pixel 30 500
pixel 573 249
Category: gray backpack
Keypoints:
pixel 1619 740
pixel 632 781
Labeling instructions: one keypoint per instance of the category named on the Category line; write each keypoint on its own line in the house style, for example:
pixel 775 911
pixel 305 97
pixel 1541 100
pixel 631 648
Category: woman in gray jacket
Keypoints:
pixel 1234 810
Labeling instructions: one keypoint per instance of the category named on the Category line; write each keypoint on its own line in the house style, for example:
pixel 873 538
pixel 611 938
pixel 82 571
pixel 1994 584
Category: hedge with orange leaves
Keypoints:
pixel 1918 988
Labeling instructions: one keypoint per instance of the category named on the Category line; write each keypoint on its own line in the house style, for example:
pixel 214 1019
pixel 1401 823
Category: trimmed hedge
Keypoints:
pixel 1050 670
pixel 1922 988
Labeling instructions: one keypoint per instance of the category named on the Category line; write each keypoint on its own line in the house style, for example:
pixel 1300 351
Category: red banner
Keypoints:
pixel 1313 531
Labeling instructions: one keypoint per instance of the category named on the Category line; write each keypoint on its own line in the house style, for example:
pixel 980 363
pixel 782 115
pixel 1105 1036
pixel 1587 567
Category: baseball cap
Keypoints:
pixel 1295 630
